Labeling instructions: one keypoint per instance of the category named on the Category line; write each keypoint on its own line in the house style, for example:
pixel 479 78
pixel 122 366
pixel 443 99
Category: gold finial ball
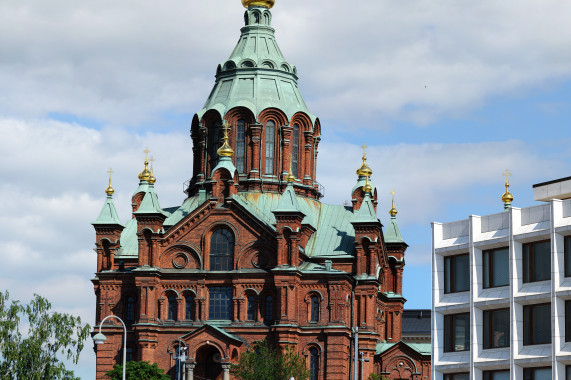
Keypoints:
pixel 393 211
pixel 364 169
pixel 152 179
pixel 109 190
pixel 258 3
pixel 507 197
pixel 146 173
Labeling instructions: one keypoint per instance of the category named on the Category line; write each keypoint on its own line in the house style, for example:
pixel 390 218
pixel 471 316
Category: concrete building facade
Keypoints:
pixel 502 291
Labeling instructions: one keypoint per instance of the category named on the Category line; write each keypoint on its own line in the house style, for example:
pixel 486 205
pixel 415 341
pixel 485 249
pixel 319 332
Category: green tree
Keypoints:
pixel 138 371
pixel 374 376
pixel 33 339
pixel 263 362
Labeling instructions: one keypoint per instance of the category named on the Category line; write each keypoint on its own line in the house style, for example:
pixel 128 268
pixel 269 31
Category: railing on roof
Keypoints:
pixel 320 189
pixel 186 186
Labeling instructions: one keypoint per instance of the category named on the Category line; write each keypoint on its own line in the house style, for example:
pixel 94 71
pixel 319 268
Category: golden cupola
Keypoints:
pixel 110 190
pixel 507 197
pixel 225 150
pixel 146 173
pixel 258 3
pixel 364 169
pixel 393 211
pixel 152 178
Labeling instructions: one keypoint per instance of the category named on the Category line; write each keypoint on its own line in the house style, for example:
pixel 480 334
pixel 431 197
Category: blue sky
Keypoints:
pixel 446 94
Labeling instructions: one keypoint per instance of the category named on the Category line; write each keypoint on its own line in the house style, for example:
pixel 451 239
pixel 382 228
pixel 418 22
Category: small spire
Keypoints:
pixel 146 173
pixel 290 177
pixel 364 169
pixel 110 190
pixel 225 150
pixel 152 178
pixel 393 211
pixel 507 197
pixel 367 188
pixel 258 3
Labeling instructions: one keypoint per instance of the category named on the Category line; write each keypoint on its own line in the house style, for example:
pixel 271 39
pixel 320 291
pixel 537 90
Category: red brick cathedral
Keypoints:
pixel 252 253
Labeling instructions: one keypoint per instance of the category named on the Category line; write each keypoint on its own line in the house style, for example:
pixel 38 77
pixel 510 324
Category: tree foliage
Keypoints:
pixel 138 371
pixel 33 339
pixel 375 376
pixel 263 362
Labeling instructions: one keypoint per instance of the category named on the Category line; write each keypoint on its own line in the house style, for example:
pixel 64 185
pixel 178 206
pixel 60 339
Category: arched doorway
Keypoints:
pixel 208 365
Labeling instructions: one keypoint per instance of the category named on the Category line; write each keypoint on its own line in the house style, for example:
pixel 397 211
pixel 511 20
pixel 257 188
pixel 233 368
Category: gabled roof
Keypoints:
pixel 213 328
pixel 129 241
pixel 392 232
pixel 108 214
pixel 366 213
pixel 225 162
pixel 288 201
pixel 150 202
pixel 421 348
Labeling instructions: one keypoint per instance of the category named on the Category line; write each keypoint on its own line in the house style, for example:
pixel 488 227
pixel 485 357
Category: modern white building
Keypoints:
pixel 501 291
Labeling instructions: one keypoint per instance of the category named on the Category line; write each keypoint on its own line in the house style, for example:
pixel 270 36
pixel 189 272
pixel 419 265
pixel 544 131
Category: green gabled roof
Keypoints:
pixel 366 213
pixel 108 214
pixel 361 182
pixel 392 232
pixel 129 241
pixel 177 214
pixel 225 162
pixel 288 201
pixel 150 202
pixel 421 348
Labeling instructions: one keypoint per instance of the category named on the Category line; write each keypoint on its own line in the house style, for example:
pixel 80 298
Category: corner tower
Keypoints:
pixel 256 93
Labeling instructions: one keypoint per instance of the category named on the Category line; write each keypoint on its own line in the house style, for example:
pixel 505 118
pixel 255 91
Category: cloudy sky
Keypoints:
pixel 447 94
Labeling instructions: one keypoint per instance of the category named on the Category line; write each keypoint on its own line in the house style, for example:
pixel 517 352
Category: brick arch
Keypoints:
pixel 195 124
pixel 393 365
pixel 317 128
pixel 207 235
pixel 303 120
pixel 196 346
pixel 237 113
pixel 275 114
pixel 247 255
pixel 194 259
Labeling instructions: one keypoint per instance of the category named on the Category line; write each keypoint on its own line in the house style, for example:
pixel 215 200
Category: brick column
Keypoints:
pixel 189 366
pixel 256 131
pixel 286 132
pixel 308 161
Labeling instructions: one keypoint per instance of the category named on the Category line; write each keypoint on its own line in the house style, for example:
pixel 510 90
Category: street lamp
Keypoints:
pixel 99 338
pixel 180 358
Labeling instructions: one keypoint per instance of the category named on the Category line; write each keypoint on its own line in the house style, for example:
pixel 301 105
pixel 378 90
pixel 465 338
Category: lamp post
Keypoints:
pixel 99 338
pixel 181 357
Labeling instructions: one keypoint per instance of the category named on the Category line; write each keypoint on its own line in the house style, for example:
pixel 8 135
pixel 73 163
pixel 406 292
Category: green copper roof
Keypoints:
pixel 366 213
pixel 392 232
pixel 288 200
pixel 188 206
pixel 256 75
pixel 361 182
pixel 150 202
pixel 129 241
pixel 421 348
pixel 108 214
pixel 226 163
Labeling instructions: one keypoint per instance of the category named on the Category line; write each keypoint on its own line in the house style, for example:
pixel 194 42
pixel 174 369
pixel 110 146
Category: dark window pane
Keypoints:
pixel 496 267
pixel 537 373
pixel 189 308
pixel 568 372
pixel 456 274
pixel 313 364
pixel 314 309
pixel 240 145
pixel 537 324
pixel 270 139
pixel 537 261
pixel 213 145
pixel 457 376
pixel 221 250
pixel 220 303
pixel 251 308
pixel 567 255
pixel 496 328
pixel 295 150
pixel 130 312
pixel 457 332
pixel 497 375
pixel 269 316
pixel 172 308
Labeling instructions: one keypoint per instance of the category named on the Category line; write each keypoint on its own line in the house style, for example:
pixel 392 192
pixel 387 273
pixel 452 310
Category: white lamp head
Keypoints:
pixel 99 338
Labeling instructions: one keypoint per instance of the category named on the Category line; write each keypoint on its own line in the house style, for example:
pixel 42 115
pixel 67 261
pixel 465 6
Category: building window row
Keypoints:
pixel 536 266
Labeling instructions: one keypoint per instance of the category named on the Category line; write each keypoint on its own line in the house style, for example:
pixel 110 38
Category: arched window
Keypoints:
pixel 251 309
pixel 130 309
pixel 221 250
pixel 213 145
pixel 189 307
pixel 171 308
pixel 269 315
pixel 314 309
pixel 313 363
pixel 295 150
pixel 270 140
pixel 240 145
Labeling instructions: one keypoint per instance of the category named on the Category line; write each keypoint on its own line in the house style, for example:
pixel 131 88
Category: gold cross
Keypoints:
pixel 364 147
pixel 152 160
pixel 146 151
pixel 393 193
pixel 507 175
pixel 110 171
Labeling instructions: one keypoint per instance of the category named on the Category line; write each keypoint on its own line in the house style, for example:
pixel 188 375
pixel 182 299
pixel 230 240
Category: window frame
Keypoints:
pixel 488 330
pixel 268 310
pixel 530 372
pixel 250 308
pixel 452 376
pixel 528 274
pixel 130 308
pixel 295 150
pixel 568 321
pixel 528 336
pixel 450 285
pixel 314 309
pixel 489 375
pixel 189 307
pixel 567 255
pixel 172 308
pixel 489 260
pixel 218 259
pixel 241 146
pixel 270 142
pixel 313 363
pixel 449 332
pixel 219 314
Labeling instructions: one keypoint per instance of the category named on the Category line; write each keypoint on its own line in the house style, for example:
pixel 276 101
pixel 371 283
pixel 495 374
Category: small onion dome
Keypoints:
pixel 290 177
pixel 258 3
pixel 364 169
pixel 507 197
pixel 152 178
pixel 225 150
pixel 146 173
pixel 109 190
pixel 367 188
pixel 393 211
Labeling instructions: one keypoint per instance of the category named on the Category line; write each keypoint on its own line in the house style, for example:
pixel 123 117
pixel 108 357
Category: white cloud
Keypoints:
pixel 130 62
